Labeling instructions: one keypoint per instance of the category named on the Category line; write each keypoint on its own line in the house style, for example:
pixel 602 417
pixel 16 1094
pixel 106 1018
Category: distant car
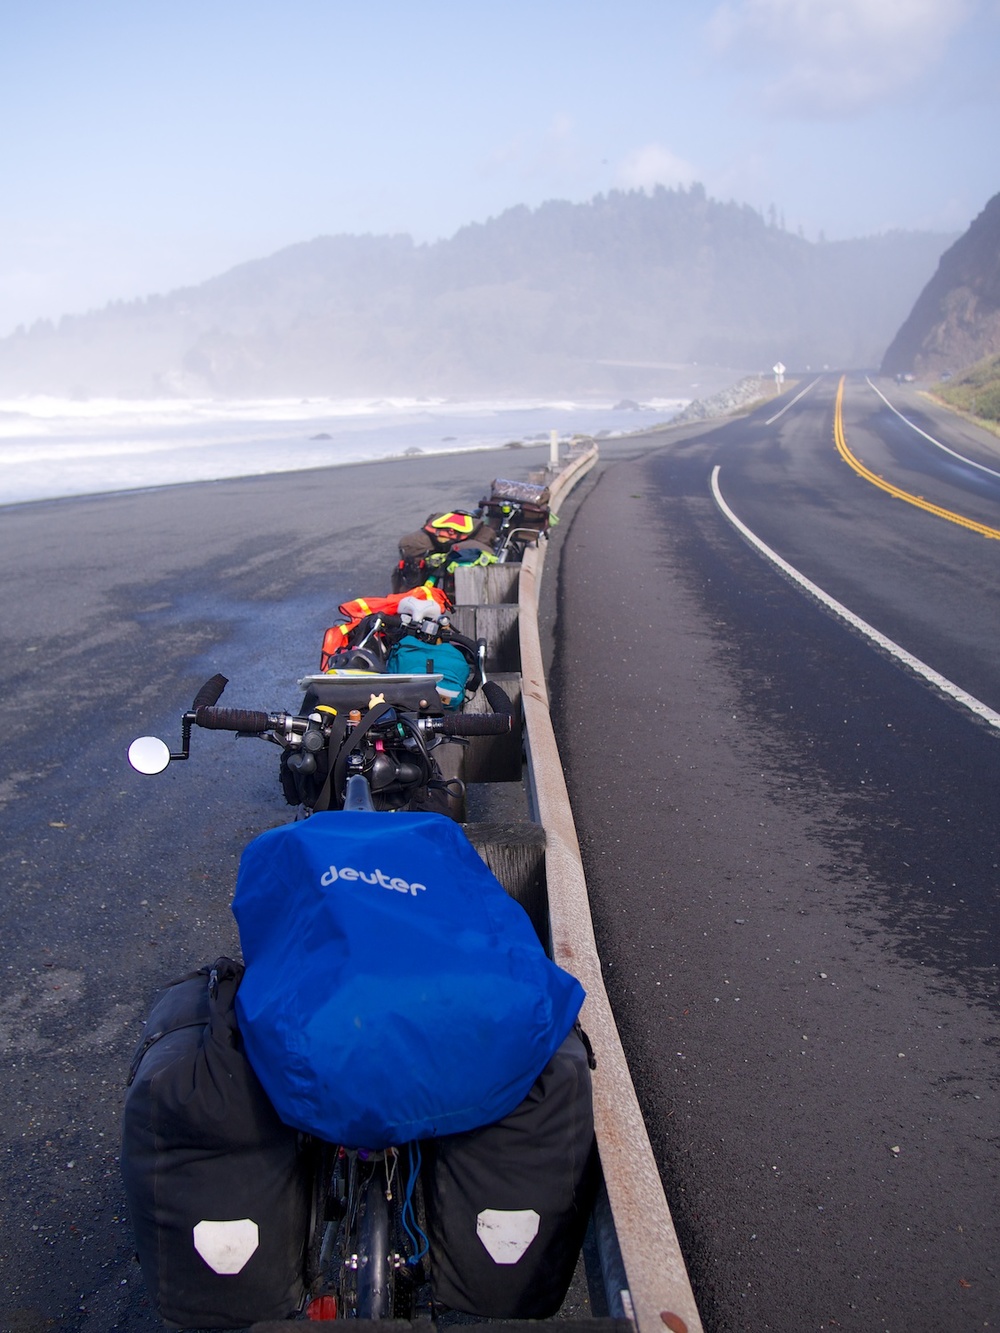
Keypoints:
pixel 945 375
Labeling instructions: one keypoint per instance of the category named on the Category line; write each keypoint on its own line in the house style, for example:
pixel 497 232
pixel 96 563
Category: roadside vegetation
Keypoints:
pixel 975 390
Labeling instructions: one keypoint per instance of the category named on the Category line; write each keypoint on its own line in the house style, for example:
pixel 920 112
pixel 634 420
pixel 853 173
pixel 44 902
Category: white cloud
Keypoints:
pixel 835 57
pixel 652 165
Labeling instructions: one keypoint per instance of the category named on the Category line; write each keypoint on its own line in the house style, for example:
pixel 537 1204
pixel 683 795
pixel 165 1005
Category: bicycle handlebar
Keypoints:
pixel 233 719
pixel 475 724
pixel 210 692
pixel 253 722
pixel 497 698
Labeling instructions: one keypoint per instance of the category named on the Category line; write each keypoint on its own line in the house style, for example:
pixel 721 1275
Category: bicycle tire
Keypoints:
pixel 375 1275
pixel 361 1249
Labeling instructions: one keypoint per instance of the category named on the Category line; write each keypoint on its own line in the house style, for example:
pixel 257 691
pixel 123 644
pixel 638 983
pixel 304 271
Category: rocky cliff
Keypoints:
pixel 956 319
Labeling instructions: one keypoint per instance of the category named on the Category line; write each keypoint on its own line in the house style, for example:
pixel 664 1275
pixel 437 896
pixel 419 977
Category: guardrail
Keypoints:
pixel 643 1270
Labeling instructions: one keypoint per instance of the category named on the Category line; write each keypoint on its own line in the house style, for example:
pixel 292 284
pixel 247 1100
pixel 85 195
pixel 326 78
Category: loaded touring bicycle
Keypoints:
pixel 384 1109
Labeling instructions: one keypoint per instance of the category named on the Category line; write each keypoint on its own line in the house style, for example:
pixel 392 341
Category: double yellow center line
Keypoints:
pixel 882 484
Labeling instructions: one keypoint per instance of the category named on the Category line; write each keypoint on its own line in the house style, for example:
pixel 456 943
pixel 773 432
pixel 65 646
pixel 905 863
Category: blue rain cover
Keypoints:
pixel 393 990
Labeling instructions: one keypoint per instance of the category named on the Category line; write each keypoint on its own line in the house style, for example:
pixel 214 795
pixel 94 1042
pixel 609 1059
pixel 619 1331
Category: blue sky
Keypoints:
pixel 148 145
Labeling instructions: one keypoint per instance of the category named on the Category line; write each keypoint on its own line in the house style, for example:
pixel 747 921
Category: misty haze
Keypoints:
pixel 623 295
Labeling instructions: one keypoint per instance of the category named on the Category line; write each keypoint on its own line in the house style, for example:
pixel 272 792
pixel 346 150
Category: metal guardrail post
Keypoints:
pixel 659 1294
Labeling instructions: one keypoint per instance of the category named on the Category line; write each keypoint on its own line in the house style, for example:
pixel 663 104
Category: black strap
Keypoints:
pixel 338 750
pixel 334 741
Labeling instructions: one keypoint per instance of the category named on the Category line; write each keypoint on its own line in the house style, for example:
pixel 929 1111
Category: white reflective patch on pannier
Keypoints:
pixel 227 1246
pixel 507 1233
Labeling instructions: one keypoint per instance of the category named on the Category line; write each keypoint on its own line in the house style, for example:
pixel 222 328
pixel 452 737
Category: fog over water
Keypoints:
pixel 52 448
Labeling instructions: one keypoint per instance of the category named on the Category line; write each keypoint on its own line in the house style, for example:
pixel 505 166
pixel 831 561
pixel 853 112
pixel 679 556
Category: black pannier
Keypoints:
pixel 507 1205
pixel 219 1190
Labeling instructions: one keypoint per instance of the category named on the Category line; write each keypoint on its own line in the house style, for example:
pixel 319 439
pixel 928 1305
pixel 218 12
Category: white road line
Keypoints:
pixel 801 394
pixel 933 677
pixel 930 438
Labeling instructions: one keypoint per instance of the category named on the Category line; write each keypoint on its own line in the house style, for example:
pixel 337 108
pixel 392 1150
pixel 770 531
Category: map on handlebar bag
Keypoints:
pixel 393 990
pixel 346 678
pixel 353 689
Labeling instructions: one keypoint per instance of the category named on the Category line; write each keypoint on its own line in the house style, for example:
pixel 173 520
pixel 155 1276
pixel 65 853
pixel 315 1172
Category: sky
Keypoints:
pixel 152 144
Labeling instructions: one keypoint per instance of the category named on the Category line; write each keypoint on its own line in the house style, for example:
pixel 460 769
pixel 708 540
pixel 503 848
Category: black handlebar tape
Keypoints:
pixel 210 692
pixel 497 698
pixel 476 724
pixel 232 719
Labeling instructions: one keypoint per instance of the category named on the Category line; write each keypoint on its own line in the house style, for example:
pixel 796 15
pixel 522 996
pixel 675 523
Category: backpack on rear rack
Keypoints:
pixel 425 554
pixel 359 618
pixel 394 991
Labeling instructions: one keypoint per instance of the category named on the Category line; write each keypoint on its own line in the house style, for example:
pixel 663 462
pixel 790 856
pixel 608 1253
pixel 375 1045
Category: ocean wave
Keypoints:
pixel 52 448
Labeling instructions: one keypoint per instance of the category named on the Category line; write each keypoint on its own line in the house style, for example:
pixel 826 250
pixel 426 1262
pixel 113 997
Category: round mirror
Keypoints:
pixel 148 754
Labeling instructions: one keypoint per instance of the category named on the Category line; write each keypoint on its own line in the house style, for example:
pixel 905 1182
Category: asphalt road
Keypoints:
pixel 789 840
pixel 117 608
pixel 791 849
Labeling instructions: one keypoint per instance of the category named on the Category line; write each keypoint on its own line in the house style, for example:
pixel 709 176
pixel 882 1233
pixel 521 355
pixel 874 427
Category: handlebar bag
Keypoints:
pixel 218 1188
pixel 413 656
pixel 393 990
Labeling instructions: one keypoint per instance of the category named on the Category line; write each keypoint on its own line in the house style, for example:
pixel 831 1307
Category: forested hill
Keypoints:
pixel 611 296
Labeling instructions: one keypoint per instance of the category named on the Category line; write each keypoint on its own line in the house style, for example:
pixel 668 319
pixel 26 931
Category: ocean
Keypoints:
pixel 52 448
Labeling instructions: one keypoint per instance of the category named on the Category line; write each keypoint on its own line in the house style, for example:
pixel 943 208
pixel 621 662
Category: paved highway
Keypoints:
pixel 791 846
pixel 789 838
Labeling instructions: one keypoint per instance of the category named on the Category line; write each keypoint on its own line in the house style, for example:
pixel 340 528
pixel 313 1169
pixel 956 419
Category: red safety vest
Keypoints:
pixel 339 636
